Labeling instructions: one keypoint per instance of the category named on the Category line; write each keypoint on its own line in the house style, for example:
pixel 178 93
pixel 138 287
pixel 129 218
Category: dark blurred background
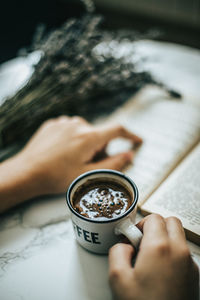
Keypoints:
pixel 178 20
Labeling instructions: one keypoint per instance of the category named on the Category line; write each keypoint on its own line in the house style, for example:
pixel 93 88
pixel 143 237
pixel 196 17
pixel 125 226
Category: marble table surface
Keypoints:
pixel 39 257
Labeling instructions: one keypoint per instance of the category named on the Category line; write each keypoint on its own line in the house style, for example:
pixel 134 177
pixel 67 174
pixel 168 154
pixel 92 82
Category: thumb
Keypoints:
pixel 116 162
pixel 120 267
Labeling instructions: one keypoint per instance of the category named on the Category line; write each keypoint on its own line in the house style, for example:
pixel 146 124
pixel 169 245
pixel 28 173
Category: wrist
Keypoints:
pixel 18 182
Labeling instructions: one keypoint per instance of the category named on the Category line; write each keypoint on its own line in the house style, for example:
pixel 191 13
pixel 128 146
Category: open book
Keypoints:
pixel 166 167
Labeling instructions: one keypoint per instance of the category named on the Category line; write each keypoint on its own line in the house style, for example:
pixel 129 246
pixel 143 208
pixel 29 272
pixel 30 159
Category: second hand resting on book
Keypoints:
pixel 62 149
pixel 57 153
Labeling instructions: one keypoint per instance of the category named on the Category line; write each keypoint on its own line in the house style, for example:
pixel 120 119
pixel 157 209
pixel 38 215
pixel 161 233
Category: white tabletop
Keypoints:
pixel 39 257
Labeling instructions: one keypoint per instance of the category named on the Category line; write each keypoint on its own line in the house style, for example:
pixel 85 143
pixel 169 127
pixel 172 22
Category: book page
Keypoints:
pixel 179 195
pixel 169 128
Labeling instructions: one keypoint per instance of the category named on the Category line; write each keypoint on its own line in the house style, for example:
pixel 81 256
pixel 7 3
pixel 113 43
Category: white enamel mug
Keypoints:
pixel 99 235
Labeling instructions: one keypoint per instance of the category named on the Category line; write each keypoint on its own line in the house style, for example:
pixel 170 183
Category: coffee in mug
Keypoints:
pixel 102 199
pixel 103 206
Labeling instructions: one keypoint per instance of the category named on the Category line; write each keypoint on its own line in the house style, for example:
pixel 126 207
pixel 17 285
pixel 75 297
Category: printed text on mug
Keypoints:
pixel 91 237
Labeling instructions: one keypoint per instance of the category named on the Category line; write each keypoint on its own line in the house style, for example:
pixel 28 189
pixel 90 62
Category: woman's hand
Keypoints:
pixel 59 151
pixel 164 269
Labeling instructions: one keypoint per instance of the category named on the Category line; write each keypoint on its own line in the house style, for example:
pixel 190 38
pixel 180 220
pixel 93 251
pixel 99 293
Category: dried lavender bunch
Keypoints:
pixel 70 79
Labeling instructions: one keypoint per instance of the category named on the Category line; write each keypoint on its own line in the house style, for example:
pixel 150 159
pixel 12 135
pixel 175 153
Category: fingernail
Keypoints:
pixel 129 156
pixel 139 141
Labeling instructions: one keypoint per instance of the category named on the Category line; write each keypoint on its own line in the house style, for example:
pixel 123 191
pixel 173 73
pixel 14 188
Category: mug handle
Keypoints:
pixel 127 228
